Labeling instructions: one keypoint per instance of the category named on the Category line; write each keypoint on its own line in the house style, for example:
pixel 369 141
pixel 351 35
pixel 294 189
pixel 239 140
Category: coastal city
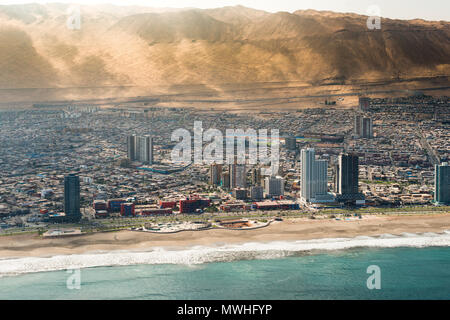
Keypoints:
pixel 94 168
pixel 224 159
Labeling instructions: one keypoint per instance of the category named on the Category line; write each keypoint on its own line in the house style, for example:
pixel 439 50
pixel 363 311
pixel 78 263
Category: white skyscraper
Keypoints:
pixel 308 159
pixel 314 177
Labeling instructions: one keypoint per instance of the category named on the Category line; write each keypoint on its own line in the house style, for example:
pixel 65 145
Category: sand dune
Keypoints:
pixel 148 47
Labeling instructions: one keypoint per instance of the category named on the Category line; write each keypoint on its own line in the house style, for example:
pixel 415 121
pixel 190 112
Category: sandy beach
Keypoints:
pixel 287 230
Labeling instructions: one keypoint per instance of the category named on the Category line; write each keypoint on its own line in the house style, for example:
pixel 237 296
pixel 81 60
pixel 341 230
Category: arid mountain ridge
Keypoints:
pixel 146 47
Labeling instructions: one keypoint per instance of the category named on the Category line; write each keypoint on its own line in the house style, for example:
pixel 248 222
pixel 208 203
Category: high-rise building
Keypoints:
pixel 225 181
pixel 72 197
pixel 347 172
pixel 131 147
pixel 442 184
pixel 363 127
pixel 367 128
pixel 321 177
pixel 314 177
pixel 241 176
pixel 232 173
pixel 274 186
pixel 291 143
pixel 357 125
pixel 238 176
pixel 140 148
pixel 145 149
pixel 215 173
pixel 308 160
pixel 256 176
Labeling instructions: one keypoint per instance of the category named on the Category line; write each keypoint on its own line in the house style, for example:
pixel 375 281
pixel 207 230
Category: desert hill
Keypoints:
pixel 136 46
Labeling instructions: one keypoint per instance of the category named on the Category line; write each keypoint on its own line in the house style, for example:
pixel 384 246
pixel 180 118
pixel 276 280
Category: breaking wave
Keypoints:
pixel 223 253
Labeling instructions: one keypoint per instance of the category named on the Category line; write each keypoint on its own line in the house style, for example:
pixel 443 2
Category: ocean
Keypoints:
pixel 274 271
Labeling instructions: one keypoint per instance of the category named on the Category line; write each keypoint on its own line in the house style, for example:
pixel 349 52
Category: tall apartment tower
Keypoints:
pixel 363 127
pixel 225 181
pixel 238 176
pixel 215 174
pixel 140 148
pixel 357 125
pixel 131 147
pixel 145 149
pixel 442 184
pixel 367 128
pixel 232 175
pixel 347 172
pixel 320 181
pixel 308 158
pixel 256 176
pixel 72 197
pixel 241 176
pixel 314 175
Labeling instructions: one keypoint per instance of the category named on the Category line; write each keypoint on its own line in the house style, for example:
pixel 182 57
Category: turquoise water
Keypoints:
pixel 406 273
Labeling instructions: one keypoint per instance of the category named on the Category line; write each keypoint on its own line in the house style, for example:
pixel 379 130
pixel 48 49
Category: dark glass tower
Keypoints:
pixel 347 174
pixel 442 184
pixel 72 197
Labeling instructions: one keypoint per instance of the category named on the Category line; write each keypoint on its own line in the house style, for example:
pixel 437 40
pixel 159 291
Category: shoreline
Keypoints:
pixel 293 229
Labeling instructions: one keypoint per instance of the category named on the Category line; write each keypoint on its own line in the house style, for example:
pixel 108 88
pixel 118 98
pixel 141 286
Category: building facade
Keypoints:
pixel 367 128
pixel 291 143
pixel 225 181
pixel 256 176
pixel 238 176
pixel 363 127
pixel 131 147
pixel 257 193
pixel 347 172
pixel 215 174
pixel 357 125
pixel 274 186
pixel 346 183
pixel 240 194
pixel 314 177
pixel 140 148
pixel 72 197
pixel 442 184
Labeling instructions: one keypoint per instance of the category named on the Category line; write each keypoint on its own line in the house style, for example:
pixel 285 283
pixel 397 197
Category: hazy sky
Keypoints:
pixel 402 9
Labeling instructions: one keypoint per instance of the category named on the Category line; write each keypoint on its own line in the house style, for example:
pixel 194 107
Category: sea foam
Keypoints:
pixel 224 253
